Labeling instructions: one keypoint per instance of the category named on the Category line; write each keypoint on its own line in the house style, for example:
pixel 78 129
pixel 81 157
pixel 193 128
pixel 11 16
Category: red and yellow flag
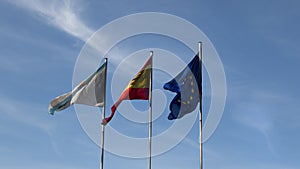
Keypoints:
pixel 137 89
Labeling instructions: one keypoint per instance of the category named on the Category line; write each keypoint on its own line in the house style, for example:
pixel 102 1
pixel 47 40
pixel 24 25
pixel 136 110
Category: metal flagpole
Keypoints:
pixel 103 116
pixel 150 114
pixel 200 115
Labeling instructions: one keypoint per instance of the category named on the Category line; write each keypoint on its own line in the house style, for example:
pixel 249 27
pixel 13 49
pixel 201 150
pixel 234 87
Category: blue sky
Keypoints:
pixel 256 41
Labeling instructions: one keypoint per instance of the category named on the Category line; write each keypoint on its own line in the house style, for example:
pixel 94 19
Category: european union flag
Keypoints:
pixel 187 84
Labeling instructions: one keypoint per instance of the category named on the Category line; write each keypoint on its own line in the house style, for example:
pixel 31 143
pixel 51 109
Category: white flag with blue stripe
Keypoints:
pixel 88 92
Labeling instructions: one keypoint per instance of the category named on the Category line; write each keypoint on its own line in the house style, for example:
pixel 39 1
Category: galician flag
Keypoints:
pixel 137 89
pixel 88 92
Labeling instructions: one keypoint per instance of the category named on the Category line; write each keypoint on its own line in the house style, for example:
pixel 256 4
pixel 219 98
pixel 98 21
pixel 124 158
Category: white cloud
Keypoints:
pixel 60 14
pixel 64 15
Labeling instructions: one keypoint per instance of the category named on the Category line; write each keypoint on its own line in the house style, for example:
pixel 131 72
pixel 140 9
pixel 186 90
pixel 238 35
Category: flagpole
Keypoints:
pixel 103 116
pixel 200 115
pixel 150 114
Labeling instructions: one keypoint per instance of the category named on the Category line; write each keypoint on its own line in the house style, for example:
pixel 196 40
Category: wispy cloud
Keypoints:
pixel 259 119
pixel 16 110
pixel 259 112
pixel 64 15
pixel 60 14
pixel 12 62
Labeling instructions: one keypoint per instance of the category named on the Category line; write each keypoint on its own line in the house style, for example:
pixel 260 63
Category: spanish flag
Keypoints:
pixel 137 89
